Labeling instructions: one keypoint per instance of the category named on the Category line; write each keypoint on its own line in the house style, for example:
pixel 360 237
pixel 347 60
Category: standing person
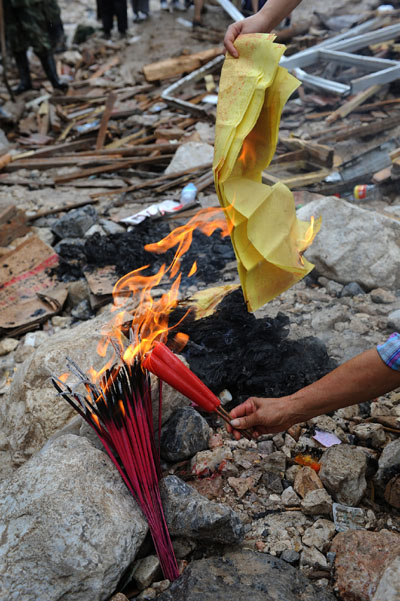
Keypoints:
pixel 367 376
pixel 110 8
pixel 56 27
pixel 268 17
pixel 140 10
pixel 26 25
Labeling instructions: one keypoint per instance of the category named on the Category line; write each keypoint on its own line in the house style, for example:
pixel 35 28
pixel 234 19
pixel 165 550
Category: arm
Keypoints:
pixel 363 378
pixel 268 17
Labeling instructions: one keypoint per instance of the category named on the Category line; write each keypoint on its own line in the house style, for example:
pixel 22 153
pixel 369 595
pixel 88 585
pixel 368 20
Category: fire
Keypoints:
pixel 150 316
pixel 309 236
pixel 248 155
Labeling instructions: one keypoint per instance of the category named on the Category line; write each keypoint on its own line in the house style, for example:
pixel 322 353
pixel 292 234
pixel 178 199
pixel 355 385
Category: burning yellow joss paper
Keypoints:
pixel 267 237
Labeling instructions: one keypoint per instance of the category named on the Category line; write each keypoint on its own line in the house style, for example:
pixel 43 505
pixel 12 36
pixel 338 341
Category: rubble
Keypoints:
pixel 72 168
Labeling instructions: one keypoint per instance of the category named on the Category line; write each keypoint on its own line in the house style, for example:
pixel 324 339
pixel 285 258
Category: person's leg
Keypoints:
pixel 19 47
pixel 35 28
pixel 121 10
pixel 198 8
pixel 55 25
pixel 107 16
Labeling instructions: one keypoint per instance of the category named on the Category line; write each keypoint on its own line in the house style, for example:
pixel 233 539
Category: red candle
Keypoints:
pixel 162 362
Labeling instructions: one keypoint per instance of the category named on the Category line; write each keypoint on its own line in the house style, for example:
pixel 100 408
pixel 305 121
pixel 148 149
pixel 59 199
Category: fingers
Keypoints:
pixel 232 33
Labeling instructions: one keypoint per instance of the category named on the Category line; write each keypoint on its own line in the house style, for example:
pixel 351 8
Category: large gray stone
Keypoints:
pixel 69 526
pixel 191 154
pixel 389 584
pixel 354 244
pixel 343 469
pixel 185 434
pixel 388 465
pixel 76 223
pixel 190 514
pixel 32 411
pixel 243 575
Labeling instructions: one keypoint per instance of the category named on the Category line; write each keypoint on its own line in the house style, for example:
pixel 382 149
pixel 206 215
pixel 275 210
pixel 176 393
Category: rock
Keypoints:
pixel 32 412
pixel 328 424
pixel 45 234
pixel 361 558
pixel 312 558
pixel 95 229
pixel 190 514
pixel 75 223
pixel 306 480
pixel 325 319
pixel 388 465
pixel 82 311
pixel 7 345
pixel 146 570
pixel 275 463
pixel 192 154
pixel 317 502
pixel 290 556
pixel 372 435
pixel 289 497
pixel 382 296
pixel 242 485
pixel 352 289
pixel 185 434
pixel 343 247
pixel 266 447
pixel 319 535
pixel 343 469
pixel 119 597
pixel 110 227
pixel 206 462
pixel 393 320
pixel 389 584
pixel 392 492
pixel 243 574
pixel 70 528
pixel 183 546
pixel 272 482
pixel 77 292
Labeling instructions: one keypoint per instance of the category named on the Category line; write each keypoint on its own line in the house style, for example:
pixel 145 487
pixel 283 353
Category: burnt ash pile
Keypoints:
pixel 233 349
pixel 126 252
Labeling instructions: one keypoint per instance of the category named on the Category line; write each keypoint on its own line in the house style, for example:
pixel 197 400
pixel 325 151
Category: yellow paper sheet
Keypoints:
pixel 267 237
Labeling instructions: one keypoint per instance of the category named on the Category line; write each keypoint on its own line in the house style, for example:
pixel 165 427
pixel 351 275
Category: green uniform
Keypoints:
pixel 26 25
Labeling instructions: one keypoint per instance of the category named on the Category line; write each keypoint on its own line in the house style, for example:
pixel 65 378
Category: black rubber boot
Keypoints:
pixel 25 83
pixel 49 67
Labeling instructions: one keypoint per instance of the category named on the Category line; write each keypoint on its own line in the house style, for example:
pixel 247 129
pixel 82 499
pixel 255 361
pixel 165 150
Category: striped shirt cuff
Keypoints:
pixel 389 351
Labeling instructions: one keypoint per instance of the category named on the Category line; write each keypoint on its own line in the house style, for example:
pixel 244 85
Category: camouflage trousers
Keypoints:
pixel 27 25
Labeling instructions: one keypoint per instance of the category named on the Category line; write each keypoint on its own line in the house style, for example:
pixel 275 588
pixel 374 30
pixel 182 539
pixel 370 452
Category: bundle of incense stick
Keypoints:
pixel 162 362
pixel 119 409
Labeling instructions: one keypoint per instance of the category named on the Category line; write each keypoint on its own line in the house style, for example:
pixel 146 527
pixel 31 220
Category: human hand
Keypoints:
pixel 263 416
pixel 253 24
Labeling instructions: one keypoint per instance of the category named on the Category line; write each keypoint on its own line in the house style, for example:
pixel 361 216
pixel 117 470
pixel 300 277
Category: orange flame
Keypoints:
pixel 307 240
pixel 193 269
pixel 248 155
pixel 150 317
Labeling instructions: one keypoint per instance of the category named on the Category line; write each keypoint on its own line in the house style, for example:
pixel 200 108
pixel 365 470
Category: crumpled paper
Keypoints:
pixel 267 237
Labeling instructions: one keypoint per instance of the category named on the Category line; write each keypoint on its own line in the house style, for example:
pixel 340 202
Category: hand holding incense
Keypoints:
pixel 162 362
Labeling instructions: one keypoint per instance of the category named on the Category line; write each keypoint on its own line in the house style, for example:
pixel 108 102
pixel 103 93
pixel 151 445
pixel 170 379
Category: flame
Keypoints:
pixel 309 236
pixel 193 269
pixel 64 377
pixel 150 316
pixel 248 155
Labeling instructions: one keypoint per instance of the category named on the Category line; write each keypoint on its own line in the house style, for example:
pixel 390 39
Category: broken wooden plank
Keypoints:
pixel 68 207
pixel 182 64
pixel 151 183
pixel 113 167
pixel 319 153
pixel 297 181
pixel 104 120
pixel 347 107
pixel 362 131
pixel 104 68
pixel 13 224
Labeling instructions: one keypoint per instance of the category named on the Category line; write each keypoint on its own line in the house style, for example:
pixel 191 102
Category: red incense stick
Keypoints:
pixel 120 411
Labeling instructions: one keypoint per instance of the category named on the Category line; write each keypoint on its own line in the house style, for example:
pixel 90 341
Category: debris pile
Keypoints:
pixel 293 515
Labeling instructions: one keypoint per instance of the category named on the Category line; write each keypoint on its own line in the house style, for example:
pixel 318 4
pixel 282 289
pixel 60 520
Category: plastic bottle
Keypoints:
pixel 366 192
pixel 188 194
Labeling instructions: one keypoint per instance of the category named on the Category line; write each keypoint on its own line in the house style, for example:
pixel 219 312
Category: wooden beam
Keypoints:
pixel 350 105
pixel 101 136
pixel 171 67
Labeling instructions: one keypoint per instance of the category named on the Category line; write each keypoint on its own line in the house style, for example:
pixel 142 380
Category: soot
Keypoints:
pixel 126 252
pixel 232 349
